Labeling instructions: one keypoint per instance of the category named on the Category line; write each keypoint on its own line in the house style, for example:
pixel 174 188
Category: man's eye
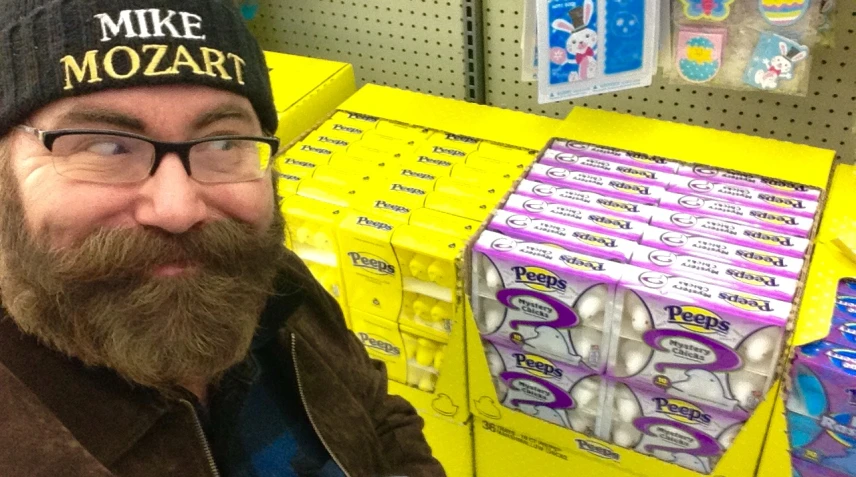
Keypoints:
pixel 107 148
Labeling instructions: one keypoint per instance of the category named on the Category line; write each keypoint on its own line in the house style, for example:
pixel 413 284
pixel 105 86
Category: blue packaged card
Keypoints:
pixel 775 60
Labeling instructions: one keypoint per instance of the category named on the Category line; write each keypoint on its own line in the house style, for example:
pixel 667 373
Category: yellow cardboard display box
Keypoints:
pixel 512 443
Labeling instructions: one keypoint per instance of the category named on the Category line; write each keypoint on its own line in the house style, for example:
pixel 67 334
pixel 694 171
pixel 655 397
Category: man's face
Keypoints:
pixel 161 280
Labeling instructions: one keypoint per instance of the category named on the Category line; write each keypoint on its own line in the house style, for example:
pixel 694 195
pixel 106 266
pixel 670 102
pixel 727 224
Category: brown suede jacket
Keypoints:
pixel 59 418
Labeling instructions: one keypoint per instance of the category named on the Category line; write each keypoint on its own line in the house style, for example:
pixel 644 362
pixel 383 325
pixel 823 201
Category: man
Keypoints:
pixel 153 324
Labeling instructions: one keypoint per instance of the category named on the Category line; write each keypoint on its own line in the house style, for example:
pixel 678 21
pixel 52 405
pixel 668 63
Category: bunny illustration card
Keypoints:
pixel 594 46
pixel 775 59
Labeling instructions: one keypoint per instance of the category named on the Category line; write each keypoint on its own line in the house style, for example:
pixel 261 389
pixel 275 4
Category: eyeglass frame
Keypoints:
pixel 162 148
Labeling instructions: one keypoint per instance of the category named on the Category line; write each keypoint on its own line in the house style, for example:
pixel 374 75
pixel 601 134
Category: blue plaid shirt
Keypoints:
pixel 257 425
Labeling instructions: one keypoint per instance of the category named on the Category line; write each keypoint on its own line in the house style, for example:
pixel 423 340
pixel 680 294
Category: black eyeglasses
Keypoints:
pixel 117 157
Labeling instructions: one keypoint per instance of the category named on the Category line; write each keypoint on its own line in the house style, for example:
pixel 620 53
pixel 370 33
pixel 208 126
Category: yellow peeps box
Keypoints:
pixel 538 448
pixel 303 100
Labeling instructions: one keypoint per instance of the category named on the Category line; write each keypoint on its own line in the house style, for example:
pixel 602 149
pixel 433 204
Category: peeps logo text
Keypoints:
pixel 599 450
pixel 448 152
pixel 609 222
pixel 459 138
pixel 296 162
pixel 784 185
pixel 315 150
pixel 843 359
pixel 618 205
pixel 745 302
pixel 434 162
pixel 418 175
pixel 581 264
pixel 347 129
pixel 332 140
pixel 371 263
pixel 630 188
pixel 367 222
pixel 384 205
pixel 752 278
pixel 784 202
pixel 406 189
pixel 632 171
pixel 697 320
pixel 841 427
pixel 537 366
pixel 362 117
pixel 773 218
pixel 378 344
pixel 768 238
pixel 681 411
pixel 595 240
pixel 539 279
pixel 761 258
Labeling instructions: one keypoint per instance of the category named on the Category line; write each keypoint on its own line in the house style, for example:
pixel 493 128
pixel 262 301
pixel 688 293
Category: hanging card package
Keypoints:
pixel 588 47
pixel 529 44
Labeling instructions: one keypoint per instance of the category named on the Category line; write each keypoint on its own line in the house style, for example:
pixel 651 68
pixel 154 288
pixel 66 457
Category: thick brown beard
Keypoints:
pixel 98 301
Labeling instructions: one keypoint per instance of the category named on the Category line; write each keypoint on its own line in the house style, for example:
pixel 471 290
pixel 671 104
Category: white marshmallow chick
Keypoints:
pixel 580 421
pixel 591 304
pixel 760 346
pixel 745 385
pixel 625 435
pixel 628 410
pixel 493 314
pixel 494 360
pixel 634 356
pixel 501 389
pixel 585 394
pixel 492 278
pixel 584 339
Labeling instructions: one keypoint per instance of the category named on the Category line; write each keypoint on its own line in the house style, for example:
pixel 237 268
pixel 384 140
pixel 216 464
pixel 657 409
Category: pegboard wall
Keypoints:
pixel 824 118
pixel 433 46
pixel 411 44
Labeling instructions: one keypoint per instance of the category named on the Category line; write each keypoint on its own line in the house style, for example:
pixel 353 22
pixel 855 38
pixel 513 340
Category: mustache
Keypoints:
pixel 226 248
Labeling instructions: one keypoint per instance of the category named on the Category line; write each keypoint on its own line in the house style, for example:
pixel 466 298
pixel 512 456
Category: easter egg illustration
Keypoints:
pixel 699 55
pixel 783 12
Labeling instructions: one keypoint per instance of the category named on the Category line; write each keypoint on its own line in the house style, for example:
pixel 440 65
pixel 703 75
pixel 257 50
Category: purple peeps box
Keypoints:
pixel 597 183
pixel 588 200
pixel 650 421
pixel 822 406
pixel 731 231
pixel 845 303
pixel 719 250
pixel 636 159
pixel 744 195
pixel 543 299
pixel 711 271
pixel 576 216
pixel 779 222
pixel 594 165
pixel 802 468
pixel 710 344
pixel 791 189
pixel 536 385
pixel 576 239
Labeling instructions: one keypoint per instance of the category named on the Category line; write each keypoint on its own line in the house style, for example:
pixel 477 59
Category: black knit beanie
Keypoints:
pixel 51 49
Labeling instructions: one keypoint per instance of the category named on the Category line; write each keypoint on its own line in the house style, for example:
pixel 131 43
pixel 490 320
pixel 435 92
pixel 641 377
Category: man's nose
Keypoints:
pixel 171 199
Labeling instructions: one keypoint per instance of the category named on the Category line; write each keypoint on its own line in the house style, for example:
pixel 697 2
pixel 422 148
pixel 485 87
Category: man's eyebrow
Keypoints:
pixel 223 112
pixel 103 116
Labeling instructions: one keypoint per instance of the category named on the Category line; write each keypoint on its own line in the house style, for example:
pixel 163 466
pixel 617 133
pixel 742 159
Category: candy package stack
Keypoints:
pixel 673 283
pixel 381 212
pixel 822 395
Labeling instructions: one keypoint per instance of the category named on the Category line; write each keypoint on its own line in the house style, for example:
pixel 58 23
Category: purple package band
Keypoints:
pixel 540 298
pixel 599 184
pixel 791 189
pixel 648 421
pixel 803 468
pixel 534 384
pixel 636 159
pixel 576 217
pixel 745 195
pixel 588 200
pixel 721 251
pixel 594 165
pixel 731 231
pixel 779 222
pixel 717 273
pixel 822 406
pixel 697 341
pixel 571 238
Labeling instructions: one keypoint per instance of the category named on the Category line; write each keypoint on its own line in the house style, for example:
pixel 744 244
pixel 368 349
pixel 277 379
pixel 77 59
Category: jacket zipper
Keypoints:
pixel 200 433
pixel 306 407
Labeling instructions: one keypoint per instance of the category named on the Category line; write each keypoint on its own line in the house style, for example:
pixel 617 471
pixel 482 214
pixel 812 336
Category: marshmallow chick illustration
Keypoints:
pixel 549 340
pixel 702 384
pixel 543 412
